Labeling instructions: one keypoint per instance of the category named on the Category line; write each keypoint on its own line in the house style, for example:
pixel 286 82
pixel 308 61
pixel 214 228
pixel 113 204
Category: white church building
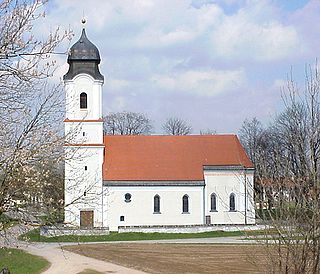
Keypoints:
pixel 145 181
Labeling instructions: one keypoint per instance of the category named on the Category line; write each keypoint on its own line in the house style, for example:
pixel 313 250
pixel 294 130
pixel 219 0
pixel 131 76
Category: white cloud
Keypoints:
pixel 203 83
pixel 116 84
pixel 157 38
pixel 247 40
pixel 279 84
pixel 245 36
pixel 149 45
pixel 119 103
pixel 255 31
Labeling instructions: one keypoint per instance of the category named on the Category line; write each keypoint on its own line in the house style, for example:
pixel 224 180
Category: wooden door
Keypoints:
pixel 208 220
pixel 86 218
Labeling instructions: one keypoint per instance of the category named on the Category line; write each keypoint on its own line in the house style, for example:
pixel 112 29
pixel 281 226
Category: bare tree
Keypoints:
pixel 208 131
pixel 30 109
pixel 24 58
pixel 176 126
pixel 127 123
pixel 252 137
pixel 286 156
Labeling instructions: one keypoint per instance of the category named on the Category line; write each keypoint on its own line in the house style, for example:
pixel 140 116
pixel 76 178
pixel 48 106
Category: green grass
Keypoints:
pixel 34 236
pixel 20 262
pixel 6 222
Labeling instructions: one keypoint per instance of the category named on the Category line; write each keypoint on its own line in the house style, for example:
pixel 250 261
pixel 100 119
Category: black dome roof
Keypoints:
pixel 84 50
pixel 83 57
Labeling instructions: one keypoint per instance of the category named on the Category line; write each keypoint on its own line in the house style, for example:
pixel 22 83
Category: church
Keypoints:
pixel 136 181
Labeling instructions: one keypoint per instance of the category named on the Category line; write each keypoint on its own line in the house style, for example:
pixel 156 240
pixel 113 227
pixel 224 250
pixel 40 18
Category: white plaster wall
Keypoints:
pixel 78 180
pixel 191 228
pixel 223 183
pixel 93 89
pixel 140 210
pixel 84 132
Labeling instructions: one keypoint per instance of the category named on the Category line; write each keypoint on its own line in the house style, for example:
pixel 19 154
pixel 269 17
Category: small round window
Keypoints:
pixel 127 197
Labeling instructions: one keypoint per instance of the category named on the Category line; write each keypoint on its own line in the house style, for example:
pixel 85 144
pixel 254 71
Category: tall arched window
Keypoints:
pixel 83 100
pixel 156 204
pixel 213 200
pixel 185 204
pixel 232 202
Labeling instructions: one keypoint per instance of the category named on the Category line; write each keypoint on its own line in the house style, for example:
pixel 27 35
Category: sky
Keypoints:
pixel 213 63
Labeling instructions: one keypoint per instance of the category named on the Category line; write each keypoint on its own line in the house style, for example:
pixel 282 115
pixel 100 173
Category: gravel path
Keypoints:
pixel 62 261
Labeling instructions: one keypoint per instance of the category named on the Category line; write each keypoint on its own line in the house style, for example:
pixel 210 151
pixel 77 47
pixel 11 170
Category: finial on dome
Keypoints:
pixel 83 20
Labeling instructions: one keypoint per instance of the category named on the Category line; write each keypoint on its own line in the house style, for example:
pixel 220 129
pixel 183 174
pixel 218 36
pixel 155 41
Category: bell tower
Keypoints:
pixel 84 146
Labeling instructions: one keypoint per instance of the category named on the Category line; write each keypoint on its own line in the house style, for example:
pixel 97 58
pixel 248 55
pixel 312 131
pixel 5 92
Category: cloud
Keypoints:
pixel 117 84
pixel 157 38
pixel 169 56
pixel 279 83
pixel 119 103
pixel 202 83
pixel 250 34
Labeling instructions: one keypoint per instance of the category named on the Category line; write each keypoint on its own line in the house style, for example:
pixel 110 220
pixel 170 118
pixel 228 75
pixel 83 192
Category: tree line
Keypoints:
pixel 134 123
pixel 286 155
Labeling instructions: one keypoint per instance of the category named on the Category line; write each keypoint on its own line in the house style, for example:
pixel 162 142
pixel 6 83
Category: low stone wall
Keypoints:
pixel 60 231
pixel 188 228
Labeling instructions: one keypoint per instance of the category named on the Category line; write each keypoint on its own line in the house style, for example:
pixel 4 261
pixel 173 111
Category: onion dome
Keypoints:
pixel 83 57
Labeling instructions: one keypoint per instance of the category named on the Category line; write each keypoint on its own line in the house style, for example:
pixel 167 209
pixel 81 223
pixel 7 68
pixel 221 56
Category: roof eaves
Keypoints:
pixel 233 167
pixel 153 183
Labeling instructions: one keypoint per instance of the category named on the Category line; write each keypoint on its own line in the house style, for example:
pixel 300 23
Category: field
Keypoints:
pixel 179 258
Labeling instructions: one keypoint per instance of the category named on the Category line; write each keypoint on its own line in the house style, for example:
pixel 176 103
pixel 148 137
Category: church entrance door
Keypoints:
pixel 208 220
pixel 86 218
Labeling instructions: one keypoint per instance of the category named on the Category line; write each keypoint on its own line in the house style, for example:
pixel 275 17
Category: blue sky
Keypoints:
pixel 211 62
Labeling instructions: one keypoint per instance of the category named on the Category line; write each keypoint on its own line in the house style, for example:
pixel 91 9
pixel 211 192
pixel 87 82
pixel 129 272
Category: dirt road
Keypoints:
pixel 63 261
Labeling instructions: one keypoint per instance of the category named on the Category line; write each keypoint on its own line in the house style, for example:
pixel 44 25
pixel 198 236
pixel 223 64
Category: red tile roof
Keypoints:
pixel 150 158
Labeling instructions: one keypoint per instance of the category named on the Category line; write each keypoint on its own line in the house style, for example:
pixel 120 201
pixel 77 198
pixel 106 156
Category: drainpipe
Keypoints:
pixel 204 203
pixel 245 195
pixel 102 200
pixel 102 206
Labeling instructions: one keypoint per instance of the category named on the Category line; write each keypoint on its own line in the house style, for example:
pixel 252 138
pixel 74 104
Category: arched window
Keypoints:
pixel 213 200
pixel 156 204
pixel 232 202
pixel 83 100
pixel 185 204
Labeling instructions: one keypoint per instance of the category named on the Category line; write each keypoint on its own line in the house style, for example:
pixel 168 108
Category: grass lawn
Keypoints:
pixel 20 262
pixel 34 236
pixel 6 222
